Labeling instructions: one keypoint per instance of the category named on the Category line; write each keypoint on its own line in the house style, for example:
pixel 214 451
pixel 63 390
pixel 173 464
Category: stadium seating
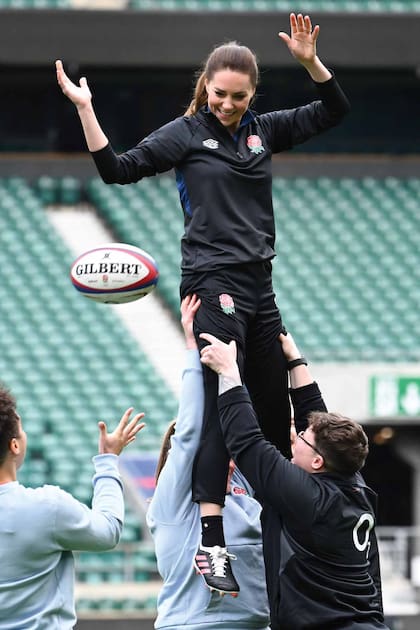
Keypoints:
pixel 307 6
pixel 65 190
pixel 347 281
pixel 67 360
pixel 152 214
pixel 346 275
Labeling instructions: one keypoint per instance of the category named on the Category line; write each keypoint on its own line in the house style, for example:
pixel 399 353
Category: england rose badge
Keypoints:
pixel 226 303
pixel 254 144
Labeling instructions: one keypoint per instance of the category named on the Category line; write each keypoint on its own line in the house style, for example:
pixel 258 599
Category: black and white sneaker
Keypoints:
pixel 213 563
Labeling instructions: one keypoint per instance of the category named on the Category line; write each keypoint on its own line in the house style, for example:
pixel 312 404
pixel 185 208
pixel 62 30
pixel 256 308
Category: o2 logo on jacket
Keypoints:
pixel 361 532
pixel 254 144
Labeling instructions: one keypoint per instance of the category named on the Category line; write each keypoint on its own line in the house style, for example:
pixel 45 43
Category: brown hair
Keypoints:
pixel 341 441
pixel 9 422
pixel 232 56
pixel 164 449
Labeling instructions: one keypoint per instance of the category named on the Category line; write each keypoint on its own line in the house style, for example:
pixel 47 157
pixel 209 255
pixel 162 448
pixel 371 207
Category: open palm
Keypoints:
pixel 80 94
pixel 302 39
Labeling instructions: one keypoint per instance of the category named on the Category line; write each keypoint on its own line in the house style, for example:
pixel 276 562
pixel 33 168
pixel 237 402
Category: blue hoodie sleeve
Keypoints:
pixel 78 527
pixel 172 498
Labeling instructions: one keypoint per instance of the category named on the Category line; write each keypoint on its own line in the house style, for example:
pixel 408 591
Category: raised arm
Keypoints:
pixel 99 528
pixel 190 410
pixel 299 372
pixel 124 434
pixel 172 497
pixel 302 44
pixel 304 392
pixel 263 465
pixel 81 97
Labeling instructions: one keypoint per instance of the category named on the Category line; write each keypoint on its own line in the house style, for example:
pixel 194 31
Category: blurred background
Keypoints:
pixel 347 273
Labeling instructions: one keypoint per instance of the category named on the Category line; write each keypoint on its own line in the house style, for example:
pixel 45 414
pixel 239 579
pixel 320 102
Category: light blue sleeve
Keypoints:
pixel 78 527
pixel 172 498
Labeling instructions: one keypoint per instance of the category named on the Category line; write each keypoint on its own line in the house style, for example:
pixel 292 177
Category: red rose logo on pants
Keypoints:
pixel 226 303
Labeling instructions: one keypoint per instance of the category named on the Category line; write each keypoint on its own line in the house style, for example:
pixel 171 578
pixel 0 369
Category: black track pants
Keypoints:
pixel 238 303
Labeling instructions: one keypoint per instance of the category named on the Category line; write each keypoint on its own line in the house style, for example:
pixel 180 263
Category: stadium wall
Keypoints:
pixel 179 39
pixel 34 165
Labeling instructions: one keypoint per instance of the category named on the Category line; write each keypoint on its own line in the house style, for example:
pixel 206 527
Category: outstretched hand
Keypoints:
pixel 189 306
pixel 125 433
pixel 219 356
pixel 80 95
pixel 302 39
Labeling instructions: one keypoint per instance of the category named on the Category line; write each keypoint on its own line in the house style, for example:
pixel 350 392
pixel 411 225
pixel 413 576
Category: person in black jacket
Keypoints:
pixel 221 151
pixel 318 520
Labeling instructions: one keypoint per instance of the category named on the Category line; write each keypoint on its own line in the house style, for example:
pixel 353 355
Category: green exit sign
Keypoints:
pixel 395 396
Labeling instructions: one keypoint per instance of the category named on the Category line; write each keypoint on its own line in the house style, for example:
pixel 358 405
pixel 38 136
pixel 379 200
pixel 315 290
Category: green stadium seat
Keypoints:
pixel 54 346
pixel 309 6
pixel 47 188
pixel 69 190
pixel 347 279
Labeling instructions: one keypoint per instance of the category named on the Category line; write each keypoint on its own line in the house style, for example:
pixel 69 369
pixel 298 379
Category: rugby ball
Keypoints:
pixel 114 273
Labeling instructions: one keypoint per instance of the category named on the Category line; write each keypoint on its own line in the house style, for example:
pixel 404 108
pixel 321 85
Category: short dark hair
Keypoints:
pixel 341 441
pixel 9 421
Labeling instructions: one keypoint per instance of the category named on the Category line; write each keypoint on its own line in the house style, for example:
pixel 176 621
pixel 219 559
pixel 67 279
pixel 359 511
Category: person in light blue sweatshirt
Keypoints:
pixel 174 521
pixel 40 527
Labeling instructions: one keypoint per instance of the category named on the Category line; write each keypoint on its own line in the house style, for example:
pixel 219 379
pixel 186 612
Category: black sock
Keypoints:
pixel 212 531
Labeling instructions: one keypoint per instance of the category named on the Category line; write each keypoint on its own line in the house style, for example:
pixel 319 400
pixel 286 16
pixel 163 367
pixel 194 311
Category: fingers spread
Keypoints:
pixel 308 23
pixel 284 37
pixel 126 416
pixel 134 421
pixel 293 23
pixel 134 430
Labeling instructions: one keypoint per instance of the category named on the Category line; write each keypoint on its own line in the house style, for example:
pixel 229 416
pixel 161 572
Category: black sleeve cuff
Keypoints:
pixel 304 400
pixel 235 395
pixel 300 393
pixel 106 161
pixel 333 96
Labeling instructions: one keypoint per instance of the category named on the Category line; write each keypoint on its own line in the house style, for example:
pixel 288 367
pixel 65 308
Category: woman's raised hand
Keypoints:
pixel 302 39
pixel 80 94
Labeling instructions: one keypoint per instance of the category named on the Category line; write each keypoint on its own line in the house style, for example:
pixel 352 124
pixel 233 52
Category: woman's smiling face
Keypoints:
pixel 229 95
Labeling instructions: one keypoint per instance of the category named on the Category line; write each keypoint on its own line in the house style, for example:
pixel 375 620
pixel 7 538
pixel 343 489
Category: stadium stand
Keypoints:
pixel 349 244
pixel 152 214
pixel 346 273
pixel 346 278
pixel 307 6
pixel 66 370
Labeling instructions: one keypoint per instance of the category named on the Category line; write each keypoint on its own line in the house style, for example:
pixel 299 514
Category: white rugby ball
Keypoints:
pixel 114 273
